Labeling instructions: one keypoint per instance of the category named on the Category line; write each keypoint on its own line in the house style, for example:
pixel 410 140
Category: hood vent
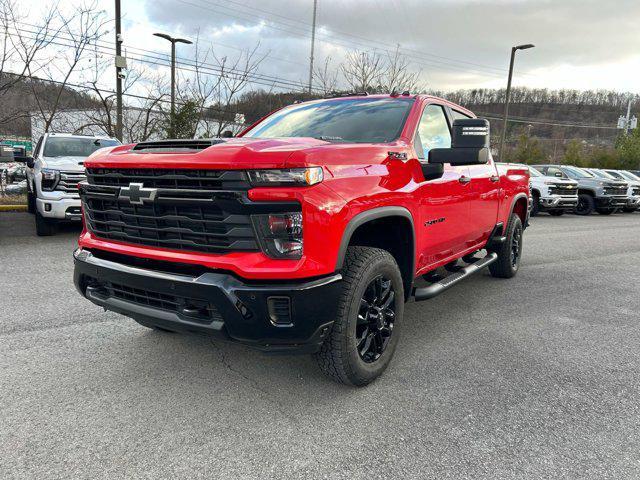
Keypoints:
pixel 176 146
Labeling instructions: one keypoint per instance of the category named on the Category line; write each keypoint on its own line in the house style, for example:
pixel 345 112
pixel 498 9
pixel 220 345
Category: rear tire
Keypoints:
pixel 586 204
pixel 365 333
pixel 44 227
pixel 510 252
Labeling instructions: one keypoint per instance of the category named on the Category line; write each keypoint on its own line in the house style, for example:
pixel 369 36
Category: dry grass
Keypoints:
pixel 13 199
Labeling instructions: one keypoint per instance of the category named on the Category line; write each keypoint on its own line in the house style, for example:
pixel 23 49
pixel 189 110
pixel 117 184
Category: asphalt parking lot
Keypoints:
pixel 535 377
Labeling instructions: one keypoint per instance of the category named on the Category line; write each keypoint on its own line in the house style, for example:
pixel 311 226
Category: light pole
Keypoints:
pixel 173 67
pixel 508 96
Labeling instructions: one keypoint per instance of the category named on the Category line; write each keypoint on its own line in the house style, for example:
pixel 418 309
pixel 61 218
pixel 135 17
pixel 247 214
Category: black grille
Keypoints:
pixel 616 190
pixel 193 210
pixel 178 179
pixel 210 227
pixel 188 307
pixel 563 190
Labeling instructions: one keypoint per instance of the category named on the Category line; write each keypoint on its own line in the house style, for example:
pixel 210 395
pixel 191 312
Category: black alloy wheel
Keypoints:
pixel 375 319
pixel 516 246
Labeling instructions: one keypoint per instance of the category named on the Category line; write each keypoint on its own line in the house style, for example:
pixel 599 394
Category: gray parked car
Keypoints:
pixel 595 193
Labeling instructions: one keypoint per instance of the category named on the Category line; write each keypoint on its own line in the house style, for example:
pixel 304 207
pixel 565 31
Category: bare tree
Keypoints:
pixel 84 26
pixel 325 77
pixel 21 46
pixel 363 71
pixel 142 115
pixel 397 76
pixel 234 76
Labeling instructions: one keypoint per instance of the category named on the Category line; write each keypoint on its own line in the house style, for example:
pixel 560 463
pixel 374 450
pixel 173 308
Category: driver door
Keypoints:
pixel 443 227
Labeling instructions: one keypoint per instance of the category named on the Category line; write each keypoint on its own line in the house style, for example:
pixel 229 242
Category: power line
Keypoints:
pixel 433 63
pixel 368 41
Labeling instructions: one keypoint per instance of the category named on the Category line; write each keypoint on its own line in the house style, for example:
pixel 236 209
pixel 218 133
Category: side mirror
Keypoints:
pixel 227 134
pixel 23 159
pixel 432 171
pixel 469 144
pixel 558 174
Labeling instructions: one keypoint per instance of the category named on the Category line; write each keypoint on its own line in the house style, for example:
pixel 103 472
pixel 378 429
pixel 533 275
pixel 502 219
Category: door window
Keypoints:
pixel 433 131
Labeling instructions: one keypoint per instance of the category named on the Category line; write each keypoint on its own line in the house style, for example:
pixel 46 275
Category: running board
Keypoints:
pixel 437 288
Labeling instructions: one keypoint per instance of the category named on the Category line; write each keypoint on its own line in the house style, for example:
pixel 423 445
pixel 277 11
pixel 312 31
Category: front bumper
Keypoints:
pixel 275 317
pixel 633 202
pixel 557 202
pixel 611 202
pixel 60 209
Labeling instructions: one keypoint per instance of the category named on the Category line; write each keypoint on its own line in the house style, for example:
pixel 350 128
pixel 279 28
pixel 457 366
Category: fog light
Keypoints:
pixel 47 207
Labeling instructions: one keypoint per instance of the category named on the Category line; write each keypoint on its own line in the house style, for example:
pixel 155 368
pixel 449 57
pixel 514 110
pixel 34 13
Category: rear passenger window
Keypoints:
pixel 433 130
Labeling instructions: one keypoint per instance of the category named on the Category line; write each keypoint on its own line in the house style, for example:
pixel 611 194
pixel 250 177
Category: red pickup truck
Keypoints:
pixel 308 232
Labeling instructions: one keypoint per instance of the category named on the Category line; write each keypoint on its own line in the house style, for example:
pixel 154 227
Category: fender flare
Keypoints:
pixel 513 206
pixel 367 216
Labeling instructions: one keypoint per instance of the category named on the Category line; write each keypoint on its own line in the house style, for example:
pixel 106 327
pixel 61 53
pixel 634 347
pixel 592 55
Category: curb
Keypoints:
pixel 13 208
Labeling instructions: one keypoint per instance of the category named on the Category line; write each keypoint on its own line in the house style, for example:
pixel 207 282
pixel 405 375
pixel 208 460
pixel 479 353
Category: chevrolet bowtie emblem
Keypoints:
pixel 137 194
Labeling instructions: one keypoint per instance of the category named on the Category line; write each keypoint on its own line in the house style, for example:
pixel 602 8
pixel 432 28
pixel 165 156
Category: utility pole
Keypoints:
pixel 508 97
pixel 120 64
pixel 313 44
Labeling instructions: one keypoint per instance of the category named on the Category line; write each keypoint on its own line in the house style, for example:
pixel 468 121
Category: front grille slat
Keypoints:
pixel 69 181
pixel 194 210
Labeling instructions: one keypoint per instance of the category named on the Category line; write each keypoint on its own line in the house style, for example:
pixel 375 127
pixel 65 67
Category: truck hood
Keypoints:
pixel 558 180
pixel 237 153
pixel 68 164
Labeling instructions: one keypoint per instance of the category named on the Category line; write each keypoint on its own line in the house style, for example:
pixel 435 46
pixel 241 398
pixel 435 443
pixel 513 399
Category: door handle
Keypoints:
pixel 464 179
pixel 494 178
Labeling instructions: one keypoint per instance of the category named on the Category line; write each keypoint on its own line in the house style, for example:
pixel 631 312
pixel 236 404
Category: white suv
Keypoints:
pixel 53 175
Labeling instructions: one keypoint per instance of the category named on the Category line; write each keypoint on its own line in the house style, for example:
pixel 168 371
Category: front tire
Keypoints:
pixel 510 252
pixel 370 309
pixel 31 200
pixel 44 227
pixel 586 204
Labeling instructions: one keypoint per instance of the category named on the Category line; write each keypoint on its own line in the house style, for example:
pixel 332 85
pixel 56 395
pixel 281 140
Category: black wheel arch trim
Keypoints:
pixel 513 206
pixel 368 216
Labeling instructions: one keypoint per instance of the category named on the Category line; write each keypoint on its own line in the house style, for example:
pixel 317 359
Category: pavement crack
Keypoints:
pixel 253 384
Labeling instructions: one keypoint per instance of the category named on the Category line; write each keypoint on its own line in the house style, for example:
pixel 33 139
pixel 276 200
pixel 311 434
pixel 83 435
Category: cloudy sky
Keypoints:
pixel 582 44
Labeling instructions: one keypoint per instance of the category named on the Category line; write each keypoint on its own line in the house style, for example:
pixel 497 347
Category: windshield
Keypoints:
pixel 360 120
pixel 601 174
pixel 74 146
pixel 534 173
pixel 575 172
pixel 617 175
pixel 629 176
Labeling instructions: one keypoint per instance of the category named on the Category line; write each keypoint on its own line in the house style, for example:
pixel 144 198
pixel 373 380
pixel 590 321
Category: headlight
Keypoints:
pixel 293 176
pixel 280 234
pixel 49 179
